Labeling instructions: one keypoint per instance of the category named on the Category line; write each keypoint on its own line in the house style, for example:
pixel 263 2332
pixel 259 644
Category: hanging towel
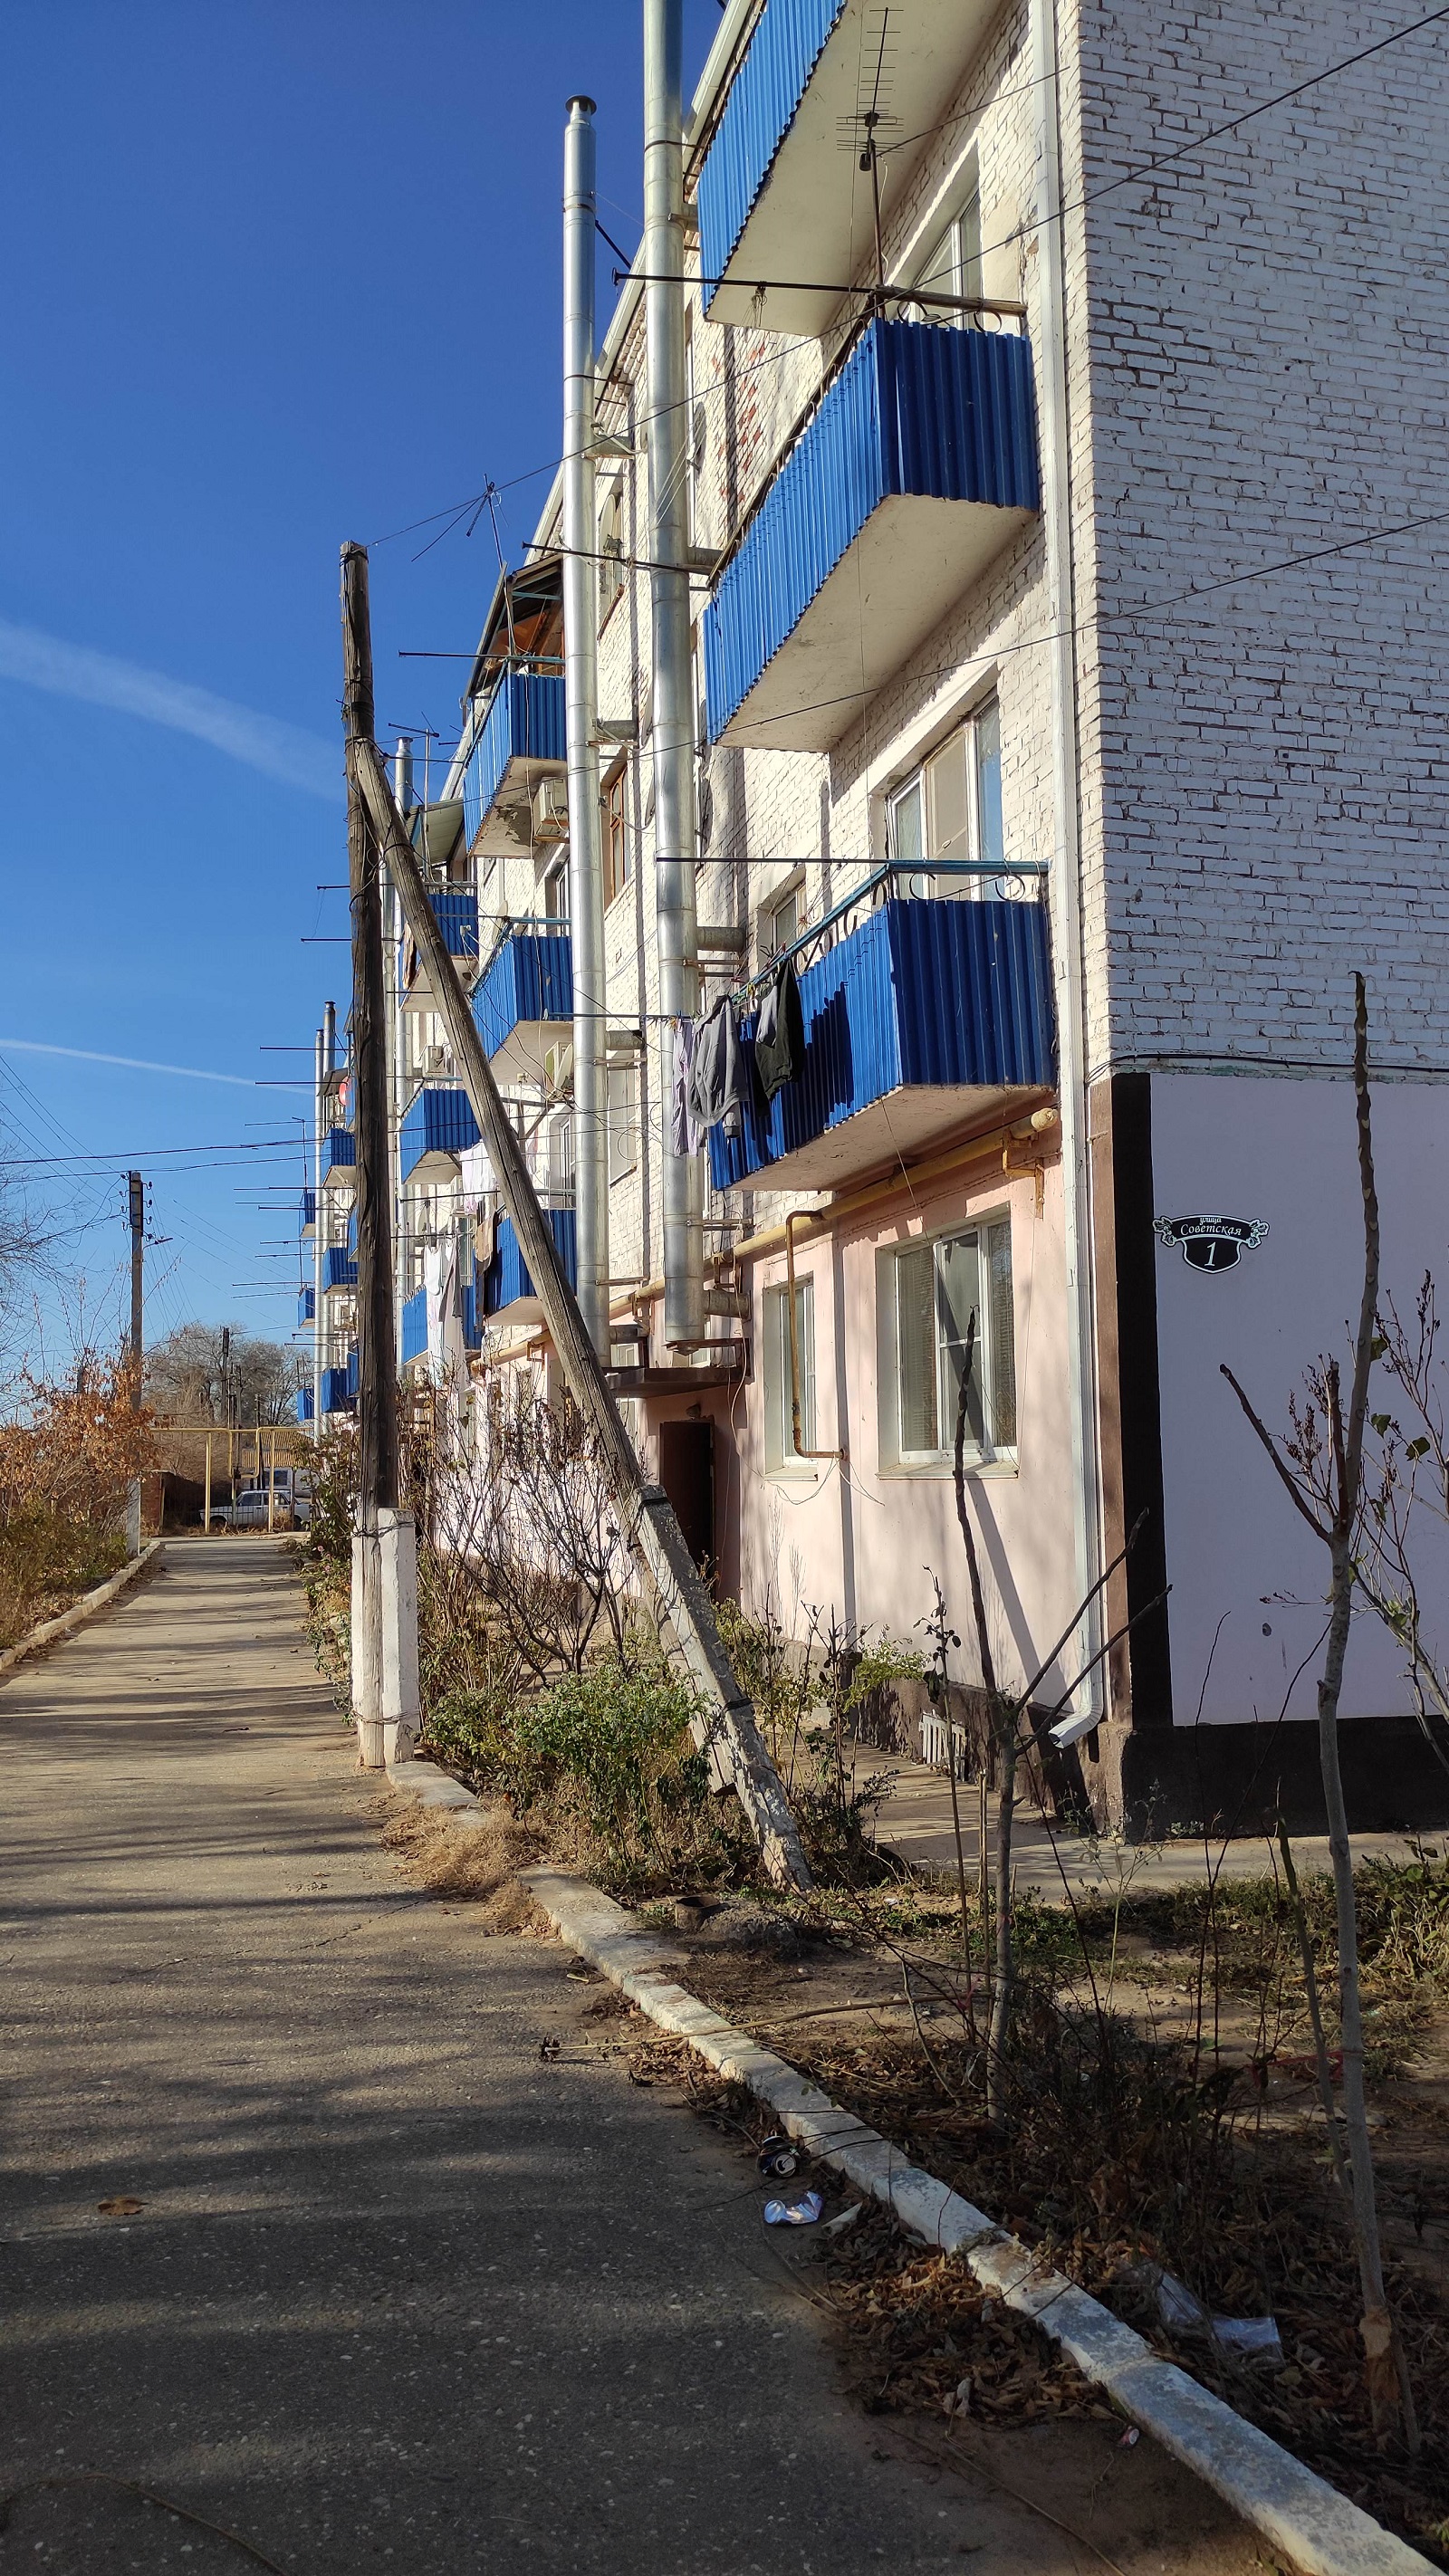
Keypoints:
pixel 780 1032
pixel 719 1087
pixel 686 1136
pixel 478 1178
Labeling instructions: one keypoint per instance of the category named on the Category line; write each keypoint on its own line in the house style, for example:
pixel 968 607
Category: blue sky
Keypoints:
pixel 276 276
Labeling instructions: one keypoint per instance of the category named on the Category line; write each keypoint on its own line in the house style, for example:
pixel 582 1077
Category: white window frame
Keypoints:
pixel 970 734
pixel 952 227
pixel 782 1458
pixel 988 1452
pixel 611 548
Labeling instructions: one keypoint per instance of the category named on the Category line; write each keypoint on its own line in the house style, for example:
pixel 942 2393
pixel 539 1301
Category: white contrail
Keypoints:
pixel 143 1064
pixel 282 750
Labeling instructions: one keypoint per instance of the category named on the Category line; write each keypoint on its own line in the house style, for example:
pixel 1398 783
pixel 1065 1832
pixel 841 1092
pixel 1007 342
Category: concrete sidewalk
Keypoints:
pixel 399 2294
pixel 915 1822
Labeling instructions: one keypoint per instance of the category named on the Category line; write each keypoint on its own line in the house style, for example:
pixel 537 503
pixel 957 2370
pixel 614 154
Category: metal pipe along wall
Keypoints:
pixel 667 432
pixel 581 626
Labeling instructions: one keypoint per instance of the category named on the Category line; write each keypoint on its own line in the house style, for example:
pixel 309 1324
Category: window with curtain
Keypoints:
pixel 938 1286
pixel 781 1453
pixel 950 808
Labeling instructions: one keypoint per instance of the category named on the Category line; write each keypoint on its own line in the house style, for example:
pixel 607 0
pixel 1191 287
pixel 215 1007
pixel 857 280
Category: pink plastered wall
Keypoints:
pixel 862 1536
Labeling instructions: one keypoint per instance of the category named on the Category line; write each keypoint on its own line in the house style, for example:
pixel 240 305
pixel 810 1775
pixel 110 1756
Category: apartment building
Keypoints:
pixel 1064 735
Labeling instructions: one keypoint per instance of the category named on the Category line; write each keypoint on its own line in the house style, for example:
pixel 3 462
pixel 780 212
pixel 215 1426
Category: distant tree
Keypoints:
pixel 221 1373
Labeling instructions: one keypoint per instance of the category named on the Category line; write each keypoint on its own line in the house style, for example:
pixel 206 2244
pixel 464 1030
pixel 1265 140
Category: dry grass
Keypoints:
pixel 470 1855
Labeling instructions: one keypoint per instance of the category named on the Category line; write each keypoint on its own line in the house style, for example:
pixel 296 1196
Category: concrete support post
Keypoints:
pixel 367 1649
pixel 401 1709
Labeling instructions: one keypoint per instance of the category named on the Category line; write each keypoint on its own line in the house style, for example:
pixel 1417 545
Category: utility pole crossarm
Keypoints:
pixel 654 1535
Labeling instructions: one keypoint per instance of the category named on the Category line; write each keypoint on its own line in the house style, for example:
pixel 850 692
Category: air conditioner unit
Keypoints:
pixel 435 1059
pixel 551 810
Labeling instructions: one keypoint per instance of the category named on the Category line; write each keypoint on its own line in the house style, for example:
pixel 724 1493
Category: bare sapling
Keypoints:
pixel 1322 1472
pixel 1006 1712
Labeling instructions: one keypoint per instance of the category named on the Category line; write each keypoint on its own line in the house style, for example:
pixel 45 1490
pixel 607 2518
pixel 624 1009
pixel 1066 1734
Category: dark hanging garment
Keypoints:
pixel 719 1088
pixel 780 1032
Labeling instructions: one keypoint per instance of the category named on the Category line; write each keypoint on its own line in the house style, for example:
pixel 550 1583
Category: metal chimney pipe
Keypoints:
pixel 581 628
pixel 667 433
pixel 329 1037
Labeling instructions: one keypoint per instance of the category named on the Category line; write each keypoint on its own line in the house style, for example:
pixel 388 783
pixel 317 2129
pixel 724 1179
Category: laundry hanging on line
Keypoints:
pixel 721 1083
pixel 780 1031
pixel 686 1136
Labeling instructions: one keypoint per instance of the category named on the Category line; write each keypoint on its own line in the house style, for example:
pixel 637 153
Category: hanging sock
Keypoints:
pixel 780 1032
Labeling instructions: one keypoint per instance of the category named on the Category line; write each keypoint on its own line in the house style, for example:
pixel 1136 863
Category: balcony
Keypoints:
pixel 304 1404
pixel 508 1294
pixel 524 1004
pixel 415 1322
pixel 779 198
pixel 521 742
pixel 339 1270
pixel 307 1306
pixel 307 1214
pixel 337 1392
pixel 917 469
pixel 438 1127
pixel 455 909
pixel 927 1018
pixel 339 1158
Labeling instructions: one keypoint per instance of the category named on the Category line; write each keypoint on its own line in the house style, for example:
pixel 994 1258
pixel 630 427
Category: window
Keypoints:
pixel 611 548
pixel 623 1120
pixel 950 809
pixel 781 923
pixel 781 1453
pixel 618 859
pixel 936 1288
pixel 555 890
pixel 952 265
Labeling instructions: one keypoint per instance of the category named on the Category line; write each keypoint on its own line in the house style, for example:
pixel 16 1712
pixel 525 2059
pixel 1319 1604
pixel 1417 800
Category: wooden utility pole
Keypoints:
pixel 385 1656
pixel 376 1372
pixel 653 1534
pixel 136 1209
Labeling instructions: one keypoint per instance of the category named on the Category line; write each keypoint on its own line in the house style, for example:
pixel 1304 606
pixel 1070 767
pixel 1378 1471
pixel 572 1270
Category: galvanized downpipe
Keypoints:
pixel 581 627
pixel 667 435
pixel 318 1095
pixel 1065 879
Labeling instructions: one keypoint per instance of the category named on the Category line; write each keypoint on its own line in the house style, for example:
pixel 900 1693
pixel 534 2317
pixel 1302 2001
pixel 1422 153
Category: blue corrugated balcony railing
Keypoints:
pixel 352 1375
pixel 456 911
pixel 415 1321
pixel 307 1212
pixel 339 1153
pixel 304 1404
pixel 524 1002
pixel 415 1325
pixel 438 1127
pixel 339 1269
pixel 307 1306
pixel 336 1390
pixel 918 467
pixel 522 740
pixel 779 204
pixel 929 1015
pixel 506 1284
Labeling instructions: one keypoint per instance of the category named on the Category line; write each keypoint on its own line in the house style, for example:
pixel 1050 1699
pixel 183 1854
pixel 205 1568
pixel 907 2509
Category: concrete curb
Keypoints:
pixel 80 1611
pixel 1297 2512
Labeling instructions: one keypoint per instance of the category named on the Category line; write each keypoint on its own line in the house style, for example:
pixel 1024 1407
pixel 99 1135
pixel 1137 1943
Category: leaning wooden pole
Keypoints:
pixel 654 1535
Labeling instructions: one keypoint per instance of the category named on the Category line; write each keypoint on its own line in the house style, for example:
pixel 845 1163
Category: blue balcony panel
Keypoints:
pixel 918 468
pixel 928 1017
pixel 456 911
pixel 352 1376
pixel 339 1269
pixel 415 1322
pixel 438 1127
pixel 415 1326
pixel 307 1306
pixel 339 1158
pixel 336 1393
pixel 508 1291
pixel 304 1404
pixel 522 740
pixel 307 1213
pixel 778 199
pixel 524 1004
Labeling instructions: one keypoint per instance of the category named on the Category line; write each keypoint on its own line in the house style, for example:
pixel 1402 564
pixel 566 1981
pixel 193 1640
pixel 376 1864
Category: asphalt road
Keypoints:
pixel 398 2294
